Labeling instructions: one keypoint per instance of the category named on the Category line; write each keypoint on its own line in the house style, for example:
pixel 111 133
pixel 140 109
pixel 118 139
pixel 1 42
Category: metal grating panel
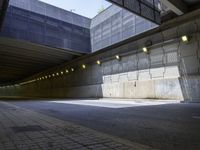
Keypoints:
pixel 147 9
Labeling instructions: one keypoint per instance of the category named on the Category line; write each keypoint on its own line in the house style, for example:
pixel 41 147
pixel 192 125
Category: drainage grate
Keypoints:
pixel 33 128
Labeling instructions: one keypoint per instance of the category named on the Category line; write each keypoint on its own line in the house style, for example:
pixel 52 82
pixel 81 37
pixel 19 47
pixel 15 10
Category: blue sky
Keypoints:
pixel 88 8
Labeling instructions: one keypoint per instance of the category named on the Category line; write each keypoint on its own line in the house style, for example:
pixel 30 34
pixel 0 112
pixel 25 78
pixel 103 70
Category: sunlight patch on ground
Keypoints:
pixel 117 103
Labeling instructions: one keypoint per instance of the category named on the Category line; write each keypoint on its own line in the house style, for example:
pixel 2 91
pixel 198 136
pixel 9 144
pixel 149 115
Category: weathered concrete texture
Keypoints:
pixel 171 70
pixel 164 89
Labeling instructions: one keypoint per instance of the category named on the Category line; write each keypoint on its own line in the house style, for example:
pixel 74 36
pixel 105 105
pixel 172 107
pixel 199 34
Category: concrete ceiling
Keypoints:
pixel 19 59
pixel 181 7
pixel 191 2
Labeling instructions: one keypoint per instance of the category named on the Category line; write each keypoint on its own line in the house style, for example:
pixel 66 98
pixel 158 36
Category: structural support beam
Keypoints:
pixel 145 8
pixel 177 6
pixel 3 8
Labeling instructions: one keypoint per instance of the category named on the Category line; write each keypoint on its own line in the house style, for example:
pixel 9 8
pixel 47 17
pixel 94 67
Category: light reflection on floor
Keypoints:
pixel 117 103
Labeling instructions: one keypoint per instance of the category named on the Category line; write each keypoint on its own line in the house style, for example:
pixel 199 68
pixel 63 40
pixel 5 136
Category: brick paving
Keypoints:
pixel 23 129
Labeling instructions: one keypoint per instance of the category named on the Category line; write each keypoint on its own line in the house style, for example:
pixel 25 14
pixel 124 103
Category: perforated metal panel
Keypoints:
pixel 144 8
pixel 41 29
pixel 114 25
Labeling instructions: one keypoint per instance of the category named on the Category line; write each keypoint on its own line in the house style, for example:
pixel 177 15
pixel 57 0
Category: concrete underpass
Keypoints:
pixel 124 79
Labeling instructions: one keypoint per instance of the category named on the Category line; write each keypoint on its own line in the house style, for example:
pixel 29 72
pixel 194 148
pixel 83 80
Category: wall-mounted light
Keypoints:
pixel 67 71
pixel 53 75
pixel 72 69
pixel 185 39
pixel 145 49
pixel 49 76
pixel 61 72
pixel 98 62
pixel 43 78
pixel 57 74
pixel 46 77
pixel 83 66
pixel 117 57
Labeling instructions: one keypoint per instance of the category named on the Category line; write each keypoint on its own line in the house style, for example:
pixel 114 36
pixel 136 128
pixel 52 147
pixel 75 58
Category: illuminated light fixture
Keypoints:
pixel 43 78
pixel 67 71
pixel 49 76
pixel 98 62
pixel 117 57
pixel 40 78
pixel 46 77
pixel 72 69
pixel 83 66
pixel 57 74
pixel 145 49
pixel 53 75
pixel 185 39
pixel 61 73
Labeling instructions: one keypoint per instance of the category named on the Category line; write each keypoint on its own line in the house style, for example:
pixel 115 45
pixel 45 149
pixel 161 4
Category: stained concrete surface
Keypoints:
pixel 162 126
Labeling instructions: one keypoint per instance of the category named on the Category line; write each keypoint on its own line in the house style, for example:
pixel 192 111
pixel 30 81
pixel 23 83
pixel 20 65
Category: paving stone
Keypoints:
pixel 27 130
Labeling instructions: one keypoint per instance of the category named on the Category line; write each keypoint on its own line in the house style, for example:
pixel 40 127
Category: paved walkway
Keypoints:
pixel 23 129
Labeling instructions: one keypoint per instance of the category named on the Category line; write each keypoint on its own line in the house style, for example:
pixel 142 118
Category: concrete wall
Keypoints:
pixel 114 25
pixel 170 71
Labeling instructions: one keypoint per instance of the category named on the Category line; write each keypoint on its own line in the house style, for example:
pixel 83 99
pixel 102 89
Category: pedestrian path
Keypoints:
pixel 23 129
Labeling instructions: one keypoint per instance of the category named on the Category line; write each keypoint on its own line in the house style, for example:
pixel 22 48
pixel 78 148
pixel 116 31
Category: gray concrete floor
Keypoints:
pixel 158 125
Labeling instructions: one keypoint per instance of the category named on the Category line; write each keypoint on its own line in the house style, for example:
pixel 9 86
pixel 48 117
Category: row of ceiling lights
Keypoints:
pixel 184 39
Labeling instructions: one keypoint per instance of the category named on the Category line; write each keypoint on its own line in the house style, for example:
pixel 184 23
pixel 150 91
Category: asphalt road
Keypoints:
pixel 163 126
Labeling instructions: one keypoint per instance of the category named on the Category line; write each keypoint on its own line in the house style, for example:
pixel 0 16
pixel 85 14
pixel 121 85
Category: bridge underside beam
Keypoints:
pixel 3 8
pixel 177 6
pixel 143 8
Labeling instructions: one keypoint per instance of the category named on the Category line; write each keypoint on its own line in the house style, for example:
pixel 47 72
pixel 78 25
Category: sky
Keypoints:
pixel 87 8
